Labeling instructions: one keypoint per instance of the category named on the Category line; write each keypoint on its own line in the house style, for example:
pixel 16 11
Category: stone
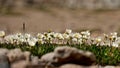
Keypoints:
pixel 34 60
pixel 27 55
pixel 49 57
pixel 111 67
pixel 64 54
pixel 117 66
pixel 76 66
pixel 19 64
pixel 15 55
pixel 3 51
pixel 35 66
pixel 4 62
pixel 67 54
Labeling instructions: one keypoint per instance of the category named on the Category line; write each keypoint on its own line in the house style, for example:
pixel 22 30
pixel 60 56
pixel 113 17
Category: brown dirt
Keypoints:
pixel 60 19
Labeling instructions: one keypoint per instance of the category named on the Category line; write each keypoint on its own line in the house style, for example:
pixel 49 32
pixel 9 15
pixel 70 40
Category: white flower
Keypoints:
pixel 68 31
pixel 55 35
pixel 60 36
pixel 114 34
pixel 85 37
pixel 66 36
pixel 27 35
pixel 19 34
pixel 77 35
pixel 31 43
pixel 52 34
pixel 98 39
pixel 22 40
pixel 2 33
pixel 40 36
pixel 74 39
pixel 105 35
pixel 34 39
pixel 85 33
pixel 48 38
pixel 115 44
pixel 80 41
pixel 40 41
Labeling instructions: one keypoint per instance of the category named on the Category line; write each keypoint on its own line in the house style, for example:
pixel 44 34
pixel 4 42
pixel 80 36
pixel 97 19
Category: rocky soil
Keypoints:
pixel 62 57
pixel 60 19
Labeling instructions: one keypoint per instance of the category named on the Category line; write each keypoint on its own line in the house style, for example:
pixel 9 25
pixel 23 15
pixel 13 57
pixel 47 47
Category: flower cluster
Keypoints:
pixel 107 40
pixel 68 37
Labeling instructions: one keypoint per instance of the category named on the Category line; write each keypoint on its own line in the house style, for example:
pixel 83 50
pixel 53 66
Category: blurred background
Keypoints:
pixel 99 16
